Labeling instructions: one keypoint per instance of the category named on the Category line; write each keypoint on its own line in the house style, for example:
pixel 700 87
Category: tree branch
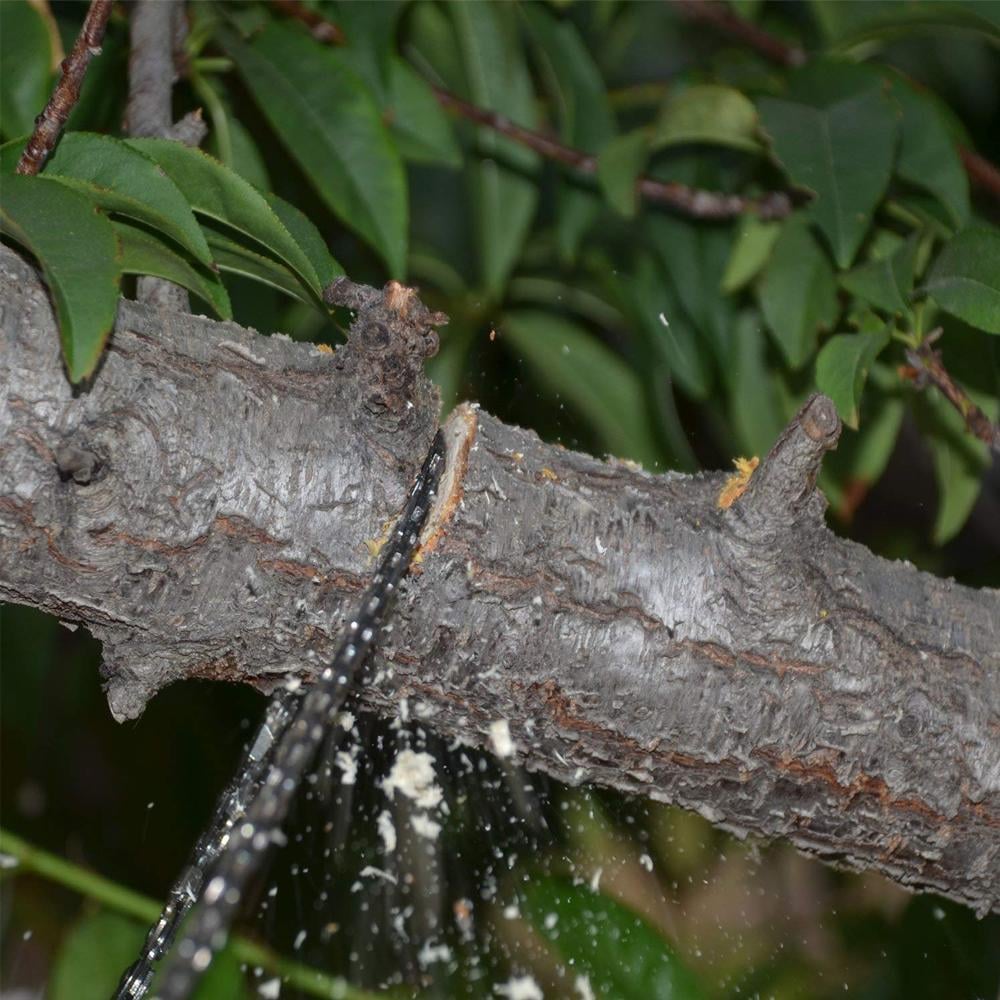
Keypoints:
pixel 694 202
pixel 745 663
pixel 52 120
pixel 981 171
pixel 726 21
pixel 927 368
pixel 157 30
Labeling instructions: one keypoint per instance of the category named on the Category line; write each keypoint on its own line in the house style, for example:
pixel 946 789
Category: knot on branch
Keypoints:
pixel 782 491
pixel 391 336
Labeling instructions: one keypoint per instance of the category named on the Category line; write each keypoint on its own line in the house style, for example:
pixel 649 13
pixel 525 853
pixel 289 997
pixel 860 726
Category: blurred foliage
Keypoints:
pixel 582 309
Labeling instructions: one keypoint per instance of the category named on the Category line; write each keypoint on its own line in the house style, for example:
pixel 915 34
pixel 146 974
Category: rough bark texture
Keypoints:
pixel 157 32
pixel 210 508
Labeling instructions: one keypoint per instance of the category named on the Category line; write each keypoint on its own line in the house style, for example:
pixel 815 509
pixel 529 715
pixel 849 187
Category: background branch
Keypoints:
pixel 52 120
pixel 694 202
pixel 725 20
pixel 157 31
pixel 926 367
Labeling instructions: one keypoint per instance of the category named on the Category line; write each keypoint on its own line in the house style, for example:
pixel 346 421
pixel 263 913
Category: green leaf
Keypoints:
pixel 694 255
pixel 25 61
pixel 576 90
pixel 330 123
pixel 497 78
pixel 708 113
pixel 572 80
pixel 308 237
pixel 669 329
pixel 619 165
pixel 837 139
pixel 124 180
pixel 247 160
pixel 850 25
pixel 751 249
pixel 860 459
pixel 93 955
pixel 215 191
pixel 843 364
pixel 447 369
pixel 78 253
pixel 591 377
pixel 418 123
pixel 370 29
pixel 885 283
pixel 959 459
pixel 143 253
pixel 798 293
pixel 577 209
pixel 928 156
pixel 622 955
pixel 965 278
pixel 755 402
pixel 238 259
pixel 422 130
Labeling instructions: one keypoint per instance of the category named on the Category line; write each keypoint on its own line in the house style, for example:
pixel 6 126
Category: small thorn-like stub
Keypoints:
pixel 783 490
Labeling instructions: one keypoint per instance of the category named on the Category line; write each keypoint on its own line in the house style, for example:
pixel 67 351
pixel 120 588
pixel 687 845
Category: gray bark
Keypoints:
pixel 210 506
pixel 157 32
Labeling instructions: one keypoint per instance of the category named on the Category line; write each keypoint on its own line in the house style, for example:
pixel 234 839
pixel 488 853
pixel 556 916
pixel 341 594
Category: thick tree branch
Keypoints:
pixel 50 123
pixel 210 506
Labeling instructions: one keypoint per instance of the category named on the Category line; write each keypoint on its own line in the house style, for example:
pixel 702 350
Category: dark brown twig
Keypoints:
pixel 721 17
pixel 50 123
pixel 322 30
pixel 981 172
pixel 695 202
pixel 691 201
pixel 926 366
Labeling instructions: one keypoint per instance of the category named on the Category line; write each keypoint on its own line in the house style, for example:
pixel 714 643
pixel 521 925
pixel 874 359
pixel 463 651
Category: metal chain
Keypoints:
pixel 241 855
pixel 228 812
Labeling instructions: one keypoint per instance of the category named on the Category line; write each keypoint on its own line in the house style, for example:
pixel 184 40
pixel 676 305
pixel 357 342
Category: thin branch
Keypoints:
pixel 983 173
pixel 156 33
pixel 926 367
pixel 726 21
pixel 322 29
pixel 34 860
pixel 50 123
pixel 691 201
